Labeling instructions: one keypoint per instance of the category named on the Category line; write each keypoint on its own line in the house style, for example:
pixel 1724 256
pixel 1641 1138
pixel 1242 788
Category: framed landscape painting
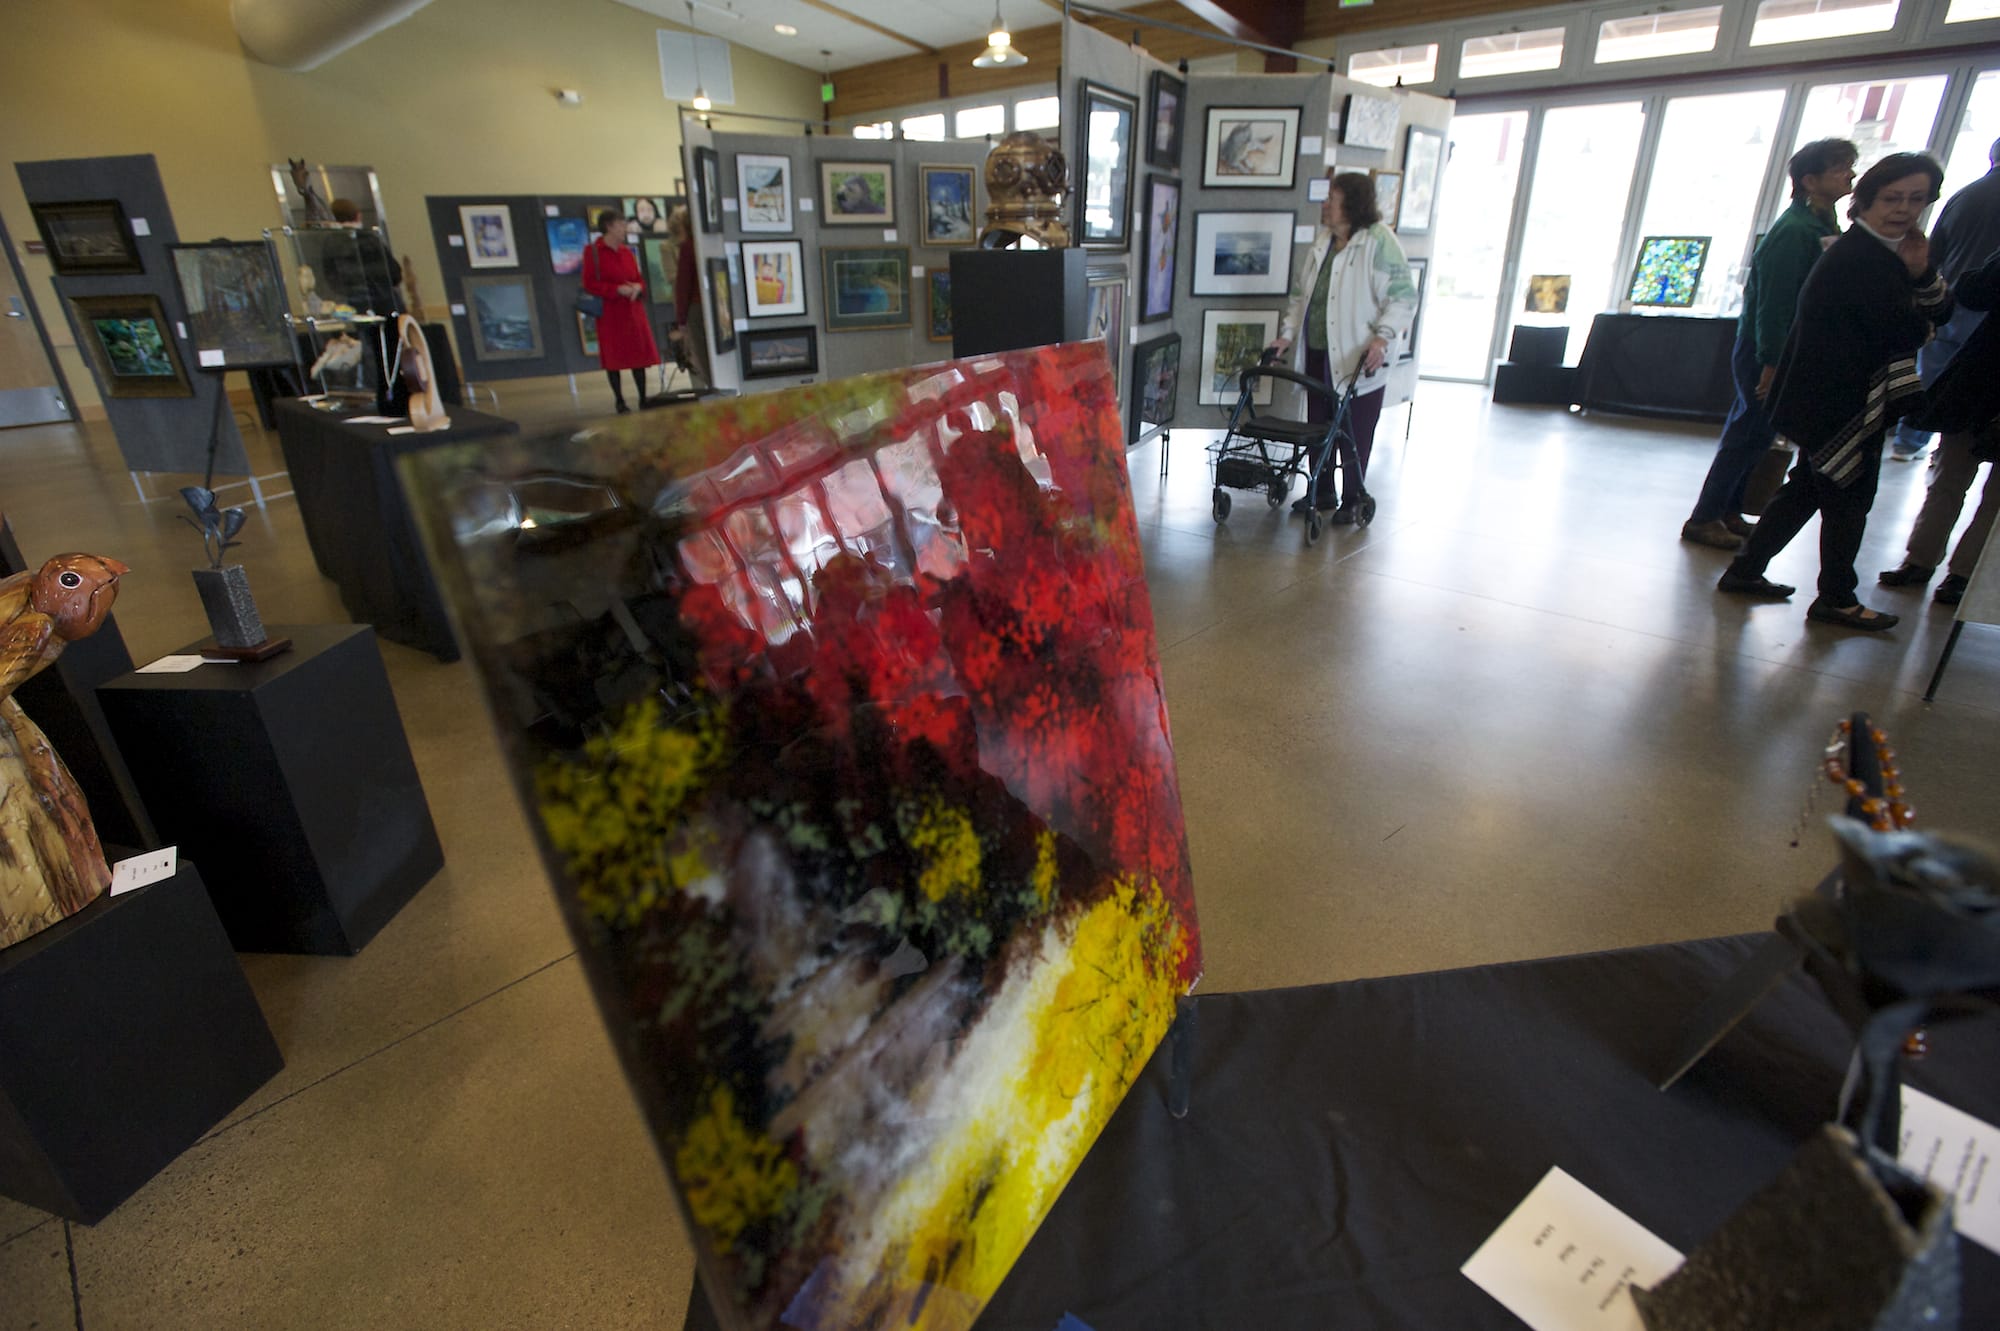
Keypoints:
pixel 857 194
pixel 866 287
pixel 1242 254
pixel 87 238
pixel 1232 341
pixel 773 278
pixel 235 302
pixel 505 324
pixel 659 260
pixel 1251 147
pixel 950 197
pixel 131 346
pixel 763 192
pixel 770 352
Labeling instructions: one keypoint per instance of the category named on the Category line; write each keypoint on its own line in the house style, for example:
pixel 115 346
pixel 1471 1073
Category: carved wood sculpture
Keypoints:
pixel 51 865
pixel 413 355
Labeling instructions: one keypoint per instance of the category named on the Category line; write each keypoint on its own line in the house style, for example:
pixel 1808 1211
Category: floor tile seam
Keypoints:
pixel 19 1234
pixel 406 1036
pixel 75 1288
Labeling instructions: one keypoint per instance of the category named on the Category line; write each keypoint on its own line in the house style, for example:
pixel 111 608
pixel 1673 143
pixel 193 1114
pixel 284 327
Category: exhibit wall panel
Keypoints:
pixel 456 99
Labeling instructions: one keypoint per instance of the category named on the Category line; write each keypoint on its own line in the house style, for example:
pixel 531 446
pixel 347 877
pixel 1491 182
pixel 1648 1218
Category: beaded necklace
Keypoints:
pixel 1885 812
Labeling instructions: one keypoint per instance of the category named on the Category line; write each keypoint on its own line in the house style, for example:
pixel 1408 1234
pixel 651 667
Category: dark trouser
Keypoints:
pixel 638 383
pixel 1747 434
pixel 1843 516
pixel 1362 416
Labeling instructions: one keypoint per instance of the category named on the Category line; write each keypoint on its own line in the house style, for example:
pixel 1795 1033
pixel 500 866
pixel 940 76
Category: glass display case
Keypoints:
pixel 343 284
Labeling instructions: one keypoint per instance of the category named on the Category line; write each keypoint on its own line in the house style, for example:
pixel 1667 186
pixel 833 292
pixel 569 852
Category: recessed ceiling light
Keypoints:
pixel 786 30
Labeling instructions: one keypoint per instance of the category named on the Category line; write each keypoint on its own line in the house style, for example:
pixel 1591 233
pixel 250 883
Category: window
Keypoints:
pixel 1651 36
pixel 1706 174
pixel 1810 20
pixel 881 129
pixel 1511 53
pixel 1583 171
pixel 1971 11
pixel 1892 116
pixel 1967 160
pixel 1475 205
pixel 1398 64
pixel 1038 113
pixel 929 128
pixel 976 122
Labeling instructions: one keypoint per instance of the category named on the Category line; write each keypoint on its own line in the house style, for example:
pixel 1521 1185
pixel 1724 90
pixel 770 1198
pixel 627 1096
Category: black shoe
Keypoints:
pixel 1302 506
pixel 622 408
pixel 1343 516
pixel 1951 591
pixel 1856 616
pixel 1744 584
pixel 1908 575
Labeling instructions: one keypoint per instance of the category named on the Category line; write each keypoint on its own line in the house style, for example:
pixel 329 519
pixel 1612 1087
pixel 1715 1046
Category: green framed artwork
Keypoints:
pixel 660 260
pixel 586 333
pixel 865 287
pixel 938 282
pixel 131 346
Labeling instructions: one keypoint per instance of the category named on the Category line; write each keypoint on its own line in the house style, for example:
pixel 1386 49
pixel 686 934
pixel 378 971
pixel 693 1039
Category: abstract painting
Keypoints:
pixel 1251 147
pixel 504 323
pixel 774 277
pixel 866 287
pixel 1368 121
pixel 1242 254
pixel 838 717
pixel 567 238
pixel 949 204
pixel 235 303
pixel 130 346
pixel 1669 270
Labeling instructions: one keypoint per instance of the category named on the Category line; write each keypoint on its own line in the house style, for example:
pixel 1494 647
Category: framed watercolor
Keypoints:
pixel 489 235
pixel 1169 112
pixel 865 287
pixel 1419 268
pixel 568 238
pixel 586 333
pixel 658 259
pixel 763 192
pixel 648 211
pixel 1156 380
pixel 1104 316
pixel 1548 293
pixel 504 320
pixel 1251 147
pixel 1388 193
pixel 774 278
pixel 235 302
pixel 708 190
pixel 721 308
pixel 1668 272
pixel 857 194
pixel 1423 161
pixel 1368 121
pixel 1104 185
pixel 1231 342
pixel 937 286
pixel 769 352
pixel 131 346
pixel 1241 254
pixel 1160 248
pixel 951 204
pixel 88 238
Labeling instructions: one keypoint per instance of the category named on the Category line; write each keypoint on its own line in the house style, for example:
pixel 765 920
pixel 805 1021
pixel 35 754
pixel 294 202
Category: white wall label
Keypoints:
pixel 1311 145
pixel 740 325
pixel 457 308
pixel 729 205
pixel 456 242
pixel 1317 187
pixel 140 870
pixel 550 210
pixel 916 270
pixel 180 330
pixel 209 359
pixel 141 227
pixel 805 205
pixel 1302 234
pixel 890 234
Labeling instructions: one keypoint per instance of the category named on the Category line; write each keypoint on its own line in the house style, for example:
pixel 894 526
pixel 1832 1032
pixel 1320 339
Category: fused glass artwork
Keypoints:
pixel 1669 270
pixel 837 713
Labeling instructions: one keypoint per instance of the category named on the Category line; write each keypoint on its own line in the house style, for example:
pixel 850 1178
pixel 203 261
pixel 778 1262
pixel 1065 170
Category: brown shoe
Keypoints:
pixel 1905 575
pixel 1737 526
pixel 1713 534
pixel 1951 591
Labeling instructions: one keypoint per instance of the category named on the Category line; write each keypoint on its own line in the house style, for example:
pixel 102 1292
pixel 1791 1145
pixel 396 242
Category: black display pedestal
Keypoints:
pixel 1670 365
pixel 1548 385
pixel 290 782
pixel 1003 300
pixel 126 1032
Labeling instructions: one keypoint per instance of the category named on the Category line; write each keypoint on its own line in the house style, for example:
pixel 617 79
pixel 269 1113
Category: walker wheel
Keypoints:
pixel 1221 505
pixel 1312 527
pixel 1280 487
pixel 1364 512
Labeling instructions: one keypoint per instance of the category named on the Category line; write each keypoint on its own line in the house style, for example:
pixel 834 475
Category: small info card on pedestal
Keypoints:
pixel 1564 1259
pixel 1956 1151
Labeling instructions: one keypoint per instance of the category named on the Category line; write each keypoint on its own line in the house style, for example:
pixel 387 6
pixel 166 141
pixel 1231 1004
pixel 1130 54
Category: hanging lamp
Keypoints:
pixel 701 102
pixel 999 52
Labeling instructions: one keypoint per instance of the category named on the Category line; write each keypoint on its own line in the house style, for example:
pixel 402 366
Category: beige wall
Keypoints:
pixel 459 99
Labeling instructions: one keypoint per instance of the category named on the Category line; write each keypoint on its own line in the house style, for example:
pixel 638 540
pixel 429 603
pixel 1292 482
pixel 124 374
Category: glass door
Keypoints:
pixel 31 392
pixel 1469 261
pixel 1707 173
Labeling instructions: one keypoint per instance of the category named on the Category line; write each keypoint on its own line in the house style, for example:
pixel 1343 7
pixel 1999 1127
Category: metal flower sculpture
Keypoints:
pixel 225 588
pixel 218 526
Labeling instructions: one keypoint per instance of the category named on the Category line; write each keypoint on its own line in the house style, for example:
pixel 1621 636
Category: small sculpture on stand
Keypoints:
pixel 225 588
pixel 413 361
pixel 51 865
pixel 1025 179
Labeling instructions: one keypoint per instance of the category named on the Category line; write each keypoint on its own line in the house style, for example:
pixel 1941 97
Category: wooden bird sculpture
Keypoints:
pixel 51 865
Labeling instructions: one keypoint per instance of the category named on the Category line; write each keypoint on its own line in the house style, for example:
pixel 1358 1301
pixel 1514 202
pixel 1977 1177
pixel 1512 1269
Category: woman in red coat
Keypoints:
pixel 624 338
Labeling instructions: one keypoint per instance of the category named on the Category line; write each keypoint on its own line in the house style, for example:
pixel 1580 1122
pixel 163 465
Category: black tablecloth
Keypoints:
pixel 359 527
pixel 1350 1145
pixel 1658 365
pixel 268 385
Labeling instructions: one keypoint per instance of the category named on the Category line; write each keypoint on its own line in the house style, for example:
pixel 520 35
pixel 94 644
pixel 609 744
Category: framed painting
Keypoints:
pixel 648 212
pixel 657 254
pixel 1231 342
pixel 88 238
pixel 1169 111
pixel 489 235
pixel 505 323
pixel 1668 272
pixel 770 352
pixel 1242 254
pixel 721 308
pixel 1423 161
pixel 764 192
pixel 708 190
pixel 1104 316
pixel 951 204
pixel 1548 293
pixel 1161 245
pixel 1104 185
pixel 937 284
pixel 857 193
pixel 774 279
pixel 586 333
pixel 1368 121
pixel 131 346
pixel 237 310
pixel 568 238
pixel 1156 380
pixel 866 287
pixel 1251 147
pixel 1419 268
pixel 1388 193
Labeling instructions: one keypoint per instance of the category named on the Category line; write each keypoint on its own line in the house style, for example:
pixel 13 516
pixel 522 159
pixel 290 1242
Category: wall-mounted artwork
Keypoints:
pixel 857 194
pixel 763 192
pixel 1548 293
pixel 235 303
pixel 1388 193
pixel 1669 270
pixel 708 190
pixel 657 253
pixel 866 287
pixel 950 195
pixel 131 346
pixel 1251 147
pixel 1162 244
pixel 771 352
pixel 501 311
pixel 774 278
pixel 648 213
pixel 1242 254
pixel 1368 121
pixel 1156 381
pixel 1232 341
pixel 586 333
pixel 1423 162
pixel 721 308
pixel 1169 112
pixel 847 755
pixel 1104 317
pixel 938 285
pixel 489 235
pixel 91 237
pixel 1103 184
pixel 568 237
pixel 1419 269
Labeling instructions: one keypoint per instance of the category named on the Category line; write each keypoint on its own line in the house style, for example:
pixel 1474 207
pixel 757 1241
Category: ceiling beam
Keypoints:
pixel 1266 22
pixel 871 25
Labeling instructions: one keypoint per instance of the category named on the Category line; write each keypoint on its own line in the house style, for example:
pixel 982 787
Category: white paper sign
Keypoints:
pixel 916 270
pixel 1302 234
pixel 180 330
pixel 805 205
pixel 456 242
pixel 729 205
pixel 457 308
pixel 1311 145
pixel 401 429
pixel 740 325
pixel 889 234
pixel 1563 1260
pixel 1958 1152
pixel 1317 187
pixel 141 227
pixel 170 665
pixel 550 210
pixel 151 867
pixel 374 420
pixel 209 359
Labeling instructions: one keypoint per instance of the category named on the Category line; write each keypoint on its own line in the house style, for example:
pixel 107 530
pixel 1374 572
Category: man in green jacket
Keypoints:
pixel 1822 175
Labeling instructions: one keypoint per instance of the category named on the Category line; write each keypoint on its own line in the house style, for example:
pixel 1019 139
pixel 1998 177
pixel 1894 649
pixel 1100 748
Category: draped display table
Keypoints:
pixel 1670 365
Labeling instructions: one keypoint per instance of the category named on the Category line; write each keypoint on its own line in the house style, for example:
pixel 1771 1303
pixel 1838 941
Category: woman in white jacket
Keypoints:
pixel 1355 299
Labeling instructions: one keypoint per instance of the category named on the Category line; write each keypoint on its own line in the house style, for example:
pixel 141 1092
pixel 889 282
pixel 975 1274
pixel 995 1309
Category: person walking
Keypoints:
pixel 624 338
pixel 1848 368
pixel 1822 175
pixel 1353 299
pixel 1966 235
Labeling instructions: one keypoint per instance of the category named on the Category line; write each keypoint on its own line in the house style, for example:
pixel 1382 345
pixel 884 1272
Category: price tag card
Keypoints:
pixel 1302 234
pixel 1563 1261
pixel 729 205
pixel 1958 1152
pixel 805 205
pixel 1311 145
pixel 889 234
pixel 141 227
pixel 152 867
pixel 1317 187
pixel 170 665
pixel 550 210
pixel 457 308
pixel 456 242
pixel 916 270
pixel 209 359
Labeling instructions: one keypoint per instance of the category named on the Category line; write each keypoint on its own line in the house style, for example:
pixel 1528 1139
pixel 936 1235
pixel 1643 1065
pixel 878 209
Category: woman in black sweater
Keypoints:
pixel 1848 371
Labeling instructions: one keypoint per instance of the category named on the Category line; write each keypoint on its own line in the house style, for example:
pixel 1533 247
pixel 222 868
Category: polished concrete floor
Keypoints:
pixel 1511 719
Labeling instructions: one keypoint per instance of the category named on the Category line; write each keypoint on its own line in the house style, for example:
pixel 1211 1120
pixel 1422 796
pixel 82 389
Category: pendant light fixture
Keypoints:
pixel 701 102
pixel 999 52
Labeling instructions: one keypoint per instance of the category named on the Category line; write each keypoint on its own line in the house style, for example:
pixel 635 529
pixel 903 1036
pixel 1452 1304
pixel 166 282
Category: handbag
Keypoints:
pixel 588 302
pixel 1766 478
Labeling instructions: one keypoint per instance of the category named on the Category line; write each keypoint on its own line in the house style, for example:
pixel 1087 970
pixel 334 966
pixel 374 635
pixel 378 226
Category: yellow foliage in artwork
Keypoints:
pixel 944 839
pixel 732 1177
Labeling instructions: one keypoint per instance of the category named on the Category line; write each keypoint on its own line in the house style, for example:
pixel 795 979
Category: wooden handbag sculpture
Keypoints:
pixel 413 357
